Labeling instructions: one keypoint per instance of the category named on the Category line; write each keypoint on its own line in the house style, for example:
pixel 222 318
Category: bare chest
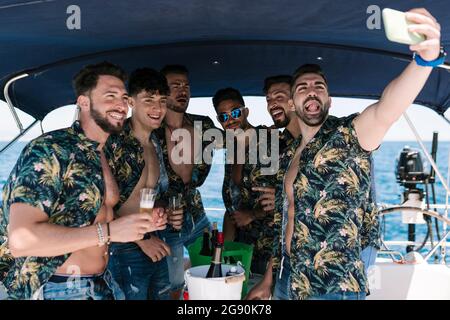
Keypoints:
pixel 181 152
pixel 111 196
pixel 148 179
pixel 291 174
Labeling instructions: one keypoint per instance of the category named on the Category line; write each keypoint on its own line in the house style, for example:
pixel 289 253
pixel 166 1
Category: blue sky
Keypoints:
pixel 425 120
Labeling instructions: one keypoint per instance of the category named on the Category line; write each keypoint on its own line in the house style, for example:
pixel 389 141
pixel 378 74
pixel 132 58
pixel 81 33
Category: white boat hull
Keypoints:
pixel 393 281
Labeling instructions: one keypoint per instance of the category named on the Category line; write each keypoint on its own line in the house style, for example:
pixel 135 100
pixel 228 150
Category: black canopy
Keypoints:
pixel 223 43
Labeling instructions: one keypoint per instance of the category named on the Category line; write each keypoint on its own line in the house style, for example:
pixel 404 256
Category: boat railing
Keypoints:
pixel 14 114
pixel 442 243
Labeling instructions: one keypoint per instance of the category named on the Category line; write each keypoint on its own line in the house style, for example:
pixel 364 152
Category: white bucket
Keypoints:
pixel 225 288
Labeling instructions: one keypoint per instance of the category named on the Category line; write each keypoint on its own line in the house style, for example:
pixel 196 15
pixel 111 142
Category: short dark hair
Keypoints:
pixel 174 68
pixel 227 94
pixel 149 80
pixel 270 81
pixel 308 68
pixel 86 79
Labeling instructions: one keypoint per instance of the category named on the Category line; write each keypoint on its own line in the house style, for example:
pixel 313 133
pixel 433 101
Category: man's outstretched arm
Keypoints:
pixel 373 123
pixel 31 234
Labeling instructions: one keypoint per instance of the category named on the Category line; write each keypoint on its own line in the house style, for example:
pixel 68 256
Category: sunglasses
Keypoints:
pixel 235 114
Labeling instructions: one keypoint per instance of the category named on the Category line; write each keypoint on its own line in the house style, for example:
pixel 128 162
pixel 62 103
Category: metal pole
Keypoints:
pixel 444 239
pixel 9 102
pixel 433 164
pixel 76 115
pixel 446 119
pixel 18 136
pixel 444 226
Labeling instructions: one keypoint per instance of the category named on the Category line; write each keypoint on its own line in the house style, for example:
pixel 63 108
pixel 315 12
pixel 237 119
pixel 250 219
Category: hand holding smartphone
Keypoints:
pixel 396 28
pixel 418 28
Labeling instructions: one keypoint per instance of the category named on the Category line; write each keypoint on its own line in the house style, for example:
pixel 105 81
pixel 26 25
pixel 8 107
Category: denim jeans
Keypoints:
pixel 177 241
pixel 3 292
pixel 283 279
pixel 368 257
pixel 139 277
pixel 343 295
pixel 101 287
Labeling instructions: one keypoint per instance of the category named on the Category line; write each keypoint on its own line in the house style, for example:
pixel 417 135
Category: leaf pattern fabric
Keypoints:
pixel 59 173
pixel 126 159
pixel 335 217
pixel 259 232
pixel 192 196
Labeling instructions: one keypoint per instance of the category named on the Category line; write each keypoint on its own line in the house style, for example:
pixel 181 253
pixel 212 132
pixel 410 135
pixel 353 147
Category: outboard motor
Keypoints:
pixel 410 171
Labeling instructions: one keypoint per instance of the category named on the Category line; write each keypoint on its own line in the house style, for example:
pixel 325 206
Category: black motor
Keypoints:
pixel 410 169
pixel 410 174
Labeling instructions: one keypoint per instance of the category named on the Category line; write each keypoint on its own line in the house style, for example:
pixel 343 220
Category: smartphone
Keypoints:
pixel 396 28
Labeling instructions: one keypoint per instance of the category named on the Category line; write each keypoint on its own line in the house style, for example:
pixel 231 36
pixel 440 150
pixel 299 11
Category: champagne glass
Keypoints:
pixel 175 205
pixel 148 197
pixel 261 193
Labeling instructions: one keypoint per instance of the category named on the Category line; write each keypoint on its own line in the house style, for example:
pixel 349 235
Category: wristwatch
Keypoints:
pixel 434 63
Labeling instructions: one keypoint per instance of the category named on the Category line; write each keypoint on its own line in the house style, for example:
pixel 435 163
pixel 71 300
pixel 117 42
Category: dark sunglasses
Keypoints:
pixel 235 114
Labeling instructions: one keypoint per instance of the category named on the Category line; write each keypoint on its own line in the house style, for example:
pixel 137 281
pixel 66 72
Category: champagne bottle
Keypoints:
pixel 186 294
pixel 215 269
pixel 206 248
pixel 214 232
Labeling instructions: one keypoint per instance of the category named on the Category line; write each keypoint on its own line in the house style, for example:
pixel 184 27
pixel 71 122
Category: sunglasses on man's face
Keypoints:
pixel 235 114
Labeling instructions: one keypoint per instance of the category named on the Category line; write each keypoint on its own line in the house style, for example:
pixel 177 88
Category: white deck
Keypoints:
pixel 392 281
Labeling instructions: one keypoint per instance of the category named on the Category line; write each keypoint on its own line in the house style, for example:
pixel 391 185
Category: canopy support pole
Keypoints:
pixel 22 133
pixel 444 183
pixel 427 154
pixel 12 109
pixel 9 102
pixel 446 119
pixel 444 227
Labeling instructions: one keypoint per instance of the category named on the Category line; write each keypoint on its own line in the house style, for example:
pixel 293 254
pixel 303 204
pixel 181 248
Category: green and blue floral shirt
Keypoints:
pixel 259 232
pixel 334 215
pixel 285 140
pixel 194 204
pixel 125 156
pixel 61 174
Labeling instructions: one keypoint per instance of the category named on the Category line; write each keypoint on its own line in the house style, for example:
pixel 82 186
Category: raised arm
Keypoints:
pixel 373 123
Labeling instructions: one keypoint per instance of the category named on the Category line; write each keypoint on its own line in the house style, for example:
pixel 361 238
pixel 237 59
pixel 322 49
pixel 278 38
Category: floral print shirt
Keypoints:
pixel 285 140
pixel 61 174
pixel 333 221
pixel 260 231
pixel 126 159
pixel 192 198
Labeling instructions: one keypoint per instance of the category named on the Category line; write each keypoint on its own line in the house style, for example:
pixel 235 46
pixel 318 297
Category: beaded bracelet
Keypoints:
pixel 101 237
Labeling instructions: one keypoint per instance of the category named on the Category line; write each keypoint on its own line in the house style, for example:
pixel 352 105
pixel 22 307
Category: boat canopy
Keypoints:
pixel 223 43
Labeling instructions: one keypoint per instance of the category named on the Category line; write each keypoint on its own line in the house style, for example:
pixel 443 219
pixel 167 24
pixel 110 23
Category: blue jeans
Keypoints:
pixel 341 296
pixel 3 292
pixel 101 287
pixel 139 277
pixel 282 283
pixel 177 241
pixel 368 257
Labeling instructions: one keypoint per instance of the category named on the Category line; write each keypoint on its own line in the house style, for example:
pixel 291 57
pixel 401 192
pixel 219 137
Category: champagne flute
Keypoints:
pixel 261 193
pixel 175 205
